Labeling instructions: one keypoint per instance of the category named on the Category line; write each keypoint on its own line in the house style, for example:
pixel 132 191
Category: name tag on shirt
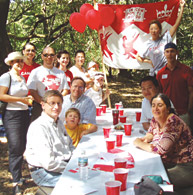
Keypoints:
pixel 164 76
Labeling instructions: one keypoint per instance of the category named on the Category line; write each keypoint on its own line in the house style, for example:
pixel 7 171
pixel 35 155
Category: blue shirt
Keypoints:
pixel 84 104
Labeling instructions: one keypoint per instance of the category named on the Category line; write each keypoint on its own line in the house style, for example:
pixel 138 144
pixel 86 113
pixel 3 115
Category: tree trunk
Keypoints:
pixel 5 46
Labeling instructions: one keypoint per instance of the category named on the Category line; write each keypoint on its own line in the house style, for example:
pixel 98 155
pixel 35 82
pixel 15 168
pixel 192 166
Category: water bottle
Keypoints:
pixel 121 105
pixel 83 165
pixel 1 121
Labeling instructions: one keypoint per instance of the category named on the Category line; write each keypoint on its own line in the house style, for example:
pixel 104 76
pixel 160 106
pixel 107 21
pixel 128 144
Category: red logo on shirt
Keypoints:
pixel 51 82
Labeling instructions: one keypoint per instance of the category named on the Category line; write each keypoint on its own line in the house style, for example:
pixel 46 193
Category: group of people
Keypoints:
pixel 64 108
pixel 25 88
pixel 166 110
pixel 167 106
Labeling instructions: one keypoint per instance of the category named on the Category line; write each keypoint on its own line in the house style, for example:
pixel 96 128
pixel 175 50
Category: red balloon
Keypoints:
pixel 85 8
pixel 93 19
pixel 107 16
pixel 78 22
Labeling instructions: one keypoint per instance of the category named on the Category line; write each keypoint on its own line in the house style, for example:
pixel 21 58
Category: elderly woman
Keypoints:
pixel 13 89
pixel 170 137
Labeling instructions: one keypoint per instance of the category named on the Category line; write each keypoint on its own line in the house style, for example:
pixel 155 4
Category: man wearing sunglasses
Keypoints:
pixel 46 77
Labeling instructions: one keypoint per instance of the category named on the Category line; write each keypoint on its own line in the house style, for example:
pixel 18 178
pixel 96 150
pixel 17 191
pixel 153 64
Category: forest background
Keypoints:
pixel 46 22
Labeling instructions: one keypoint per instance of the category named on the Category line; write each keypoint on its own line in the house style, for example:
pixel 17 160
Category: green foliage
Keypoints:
pixel 47 23
pixel 185 35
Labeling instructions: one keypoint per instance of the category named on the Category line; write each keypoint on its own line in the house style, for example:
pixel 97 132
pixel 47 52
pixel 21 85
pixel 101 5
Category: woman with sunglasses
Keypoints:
pixel 29 51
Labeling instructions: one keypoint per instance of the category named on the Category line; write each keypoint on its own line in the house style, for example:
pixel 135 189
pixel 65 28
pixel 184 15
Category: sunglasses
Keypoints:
pixel 48 55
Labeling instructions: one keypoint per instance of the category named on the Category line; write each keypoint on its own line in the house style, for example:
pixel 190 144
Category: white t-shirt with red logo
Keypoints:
pixel 43 79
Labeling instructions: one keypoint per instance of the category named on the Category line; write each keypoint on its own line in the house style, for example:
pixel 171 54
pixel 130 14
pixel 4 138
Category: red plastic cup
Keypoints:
pixel 115 114
pixel 117 106
pixel 120 163
pixel 121 112
pixel 122 119
pixel 138 116
pixel 104 107
pixel 113 187
pixel 110 144
pixel 98 111
pixel 119 138
pixel 121 174
pixel 128 128
pixel 106 131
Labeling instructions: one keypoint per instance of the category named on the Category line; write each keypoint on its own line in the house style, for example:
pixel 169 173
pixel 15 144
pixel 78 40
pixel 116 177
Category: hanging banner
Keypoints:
pixel 126 36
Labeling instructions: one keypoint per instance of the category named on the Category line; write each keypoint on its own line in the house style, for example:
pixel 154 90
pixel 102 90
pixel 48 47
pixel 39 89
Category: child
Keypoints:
pixel 96 93
pixel 74 129
pixel 92 69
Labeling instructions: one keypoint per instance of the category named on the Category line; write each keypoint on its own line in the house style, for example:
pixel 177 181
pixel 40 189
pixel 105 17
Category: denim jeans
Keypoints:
pixel 35 111
pixel 16 123
pixel 45 178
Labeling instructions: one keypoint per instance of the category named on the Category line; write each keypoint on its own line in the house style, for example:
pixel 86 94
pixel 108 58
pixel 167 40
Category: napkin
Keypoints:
pixel 106 163
pixel 115 150
pixel 73 170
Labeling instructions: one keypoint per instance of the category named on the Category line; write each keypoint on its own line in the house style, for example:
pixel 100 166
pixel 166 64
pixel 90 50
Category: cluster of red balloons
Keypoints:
pixel 91 17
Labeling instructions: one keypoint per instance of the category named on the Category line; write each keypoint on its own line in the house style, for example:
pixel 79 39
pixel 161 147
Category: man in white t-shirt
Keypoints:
pixel 149 87
pixel 46 77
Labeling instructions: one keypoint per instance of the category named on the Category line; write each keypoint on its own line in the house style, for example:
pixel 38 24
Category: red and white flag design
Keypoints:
pixel 121 41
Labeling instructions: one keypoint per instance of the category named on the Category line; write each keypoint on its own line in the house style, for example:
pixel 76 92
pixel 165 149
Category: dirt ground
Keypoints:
pixel 122 89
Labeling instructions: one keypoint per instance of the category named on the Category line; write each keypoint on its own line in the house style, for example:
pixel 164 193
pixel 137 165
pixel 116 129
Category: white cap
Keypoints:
pixel 98 75
pixel 91 64
pixel 13 56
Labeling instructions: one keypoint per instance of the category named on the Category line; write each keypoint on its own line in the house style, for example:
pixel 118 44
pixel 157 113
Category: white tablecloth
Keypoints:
pixel 95 145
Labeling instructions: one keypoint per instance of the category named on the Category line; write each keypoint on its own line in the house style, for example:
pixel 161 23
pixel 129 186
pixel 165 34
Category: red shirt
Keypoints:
pixel 69 76
pixel 175 85
pixel 26 70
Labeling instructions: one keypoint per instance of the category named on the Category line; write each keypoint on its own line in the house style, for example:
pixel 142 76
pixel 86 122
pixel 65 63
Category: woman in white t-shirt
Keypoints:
pixel 78 70
pixel 153 51
pixel 16 117
pixel 63 63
